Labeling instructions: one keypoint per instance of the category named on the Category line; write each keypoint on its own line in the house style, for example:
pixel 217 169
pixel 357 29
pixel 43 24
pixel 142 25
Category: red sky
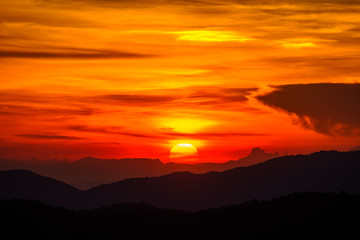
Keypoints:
pixel 116 79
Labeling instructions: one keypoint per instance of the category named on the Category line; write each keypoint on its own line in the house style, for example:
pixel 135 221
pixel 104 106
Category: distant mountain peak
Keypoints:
pixel 260 151
pixel 88 158
pixel 257 150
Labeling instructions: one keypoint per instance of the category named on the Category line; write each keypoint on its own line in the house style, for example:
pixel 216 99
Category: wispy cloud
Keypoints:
pixel 49 137
pixel 98 54
pixel 165 133
pixel 116 130
pixel 34 111
pixel 102 129
pixel 205 135
pixel 34 103
pixel 224 94
pixel 134 99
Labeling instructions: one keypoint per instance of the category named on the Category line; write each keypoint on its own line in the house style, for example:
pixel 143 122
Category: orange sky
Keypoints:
pixel 117 79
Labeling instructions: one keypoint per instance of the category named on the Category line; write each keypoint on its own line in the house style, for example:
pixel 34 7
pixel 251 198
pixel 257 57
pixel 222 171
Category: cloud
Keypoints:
pixel 85 128
pixel 269 2
pixel 112 130
pixel 216 95
pixel 319 65
pixel 328 108
pixel 37 104
pixel 202 135
pixel 140 135
pixel 140 3
pixel 56 111
pixel 200 2
pixel 135 99
pixel 23 104
pixel 95 54
pixel 24 96
pixel 205 95
pixel 49 137
pixel 164 133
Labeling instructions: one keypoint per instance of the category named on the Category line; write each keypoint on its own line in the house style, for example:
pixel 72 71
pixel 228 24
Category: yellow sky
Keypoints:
pixel 133 78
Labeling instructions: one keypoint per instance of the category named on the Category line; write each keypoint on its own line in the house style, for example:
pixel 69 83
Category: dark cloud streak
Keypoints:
pixel 214 135
pixel 98 54
pixel 49 137
pixel 162 134
pixel 7 110
pixel 135 98
pixel 112 130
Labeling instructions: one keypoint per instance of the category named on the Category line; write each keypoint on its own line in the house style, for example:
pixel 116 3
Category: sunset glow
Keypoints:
pixel 184 153
pixel 116 79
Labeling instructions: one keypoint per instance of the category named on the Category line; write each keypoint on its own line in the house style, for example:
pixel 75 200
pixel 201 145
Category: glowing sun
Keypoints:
pixel 184 153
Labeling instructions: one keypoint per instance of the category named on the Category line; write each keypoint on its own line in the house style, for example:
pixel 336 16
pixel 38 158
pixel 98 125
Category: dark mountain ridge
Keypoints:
pixel 89 172
pixel 322 172
pixel 24 184
pixel 319 172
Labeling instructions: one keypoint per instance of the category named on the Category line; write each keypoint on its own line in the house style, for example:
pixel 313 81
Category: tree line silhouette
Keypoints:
pixel 297 215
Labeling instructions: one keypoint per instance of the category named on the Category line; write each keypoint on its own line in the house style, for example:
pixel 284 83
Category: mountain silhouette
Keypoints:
pixel 24 184
pixel 89 172
pixel 295 216
pixel 319 172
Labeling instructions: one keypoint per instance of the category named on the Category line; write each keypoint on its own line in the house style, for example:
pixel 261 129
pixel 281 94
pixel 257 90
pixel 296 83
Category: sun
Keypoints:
pixel 184 153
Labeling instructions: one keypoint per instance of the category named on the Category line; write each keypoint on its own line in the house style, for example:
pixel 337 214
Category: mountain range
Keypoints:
pixel 89 172
pixel 330 171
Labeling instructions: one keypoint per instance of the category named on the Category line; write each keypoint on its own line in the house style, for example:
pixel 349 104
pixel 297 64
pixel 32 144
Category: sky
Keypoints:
pixel 121 78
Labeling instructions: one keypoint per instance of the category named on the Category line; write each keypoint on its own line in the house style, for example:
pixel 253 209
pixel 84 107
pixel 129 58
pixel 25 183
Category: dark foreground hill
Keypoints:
pixel 28 185
pixel 318 172
pixel 296 216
